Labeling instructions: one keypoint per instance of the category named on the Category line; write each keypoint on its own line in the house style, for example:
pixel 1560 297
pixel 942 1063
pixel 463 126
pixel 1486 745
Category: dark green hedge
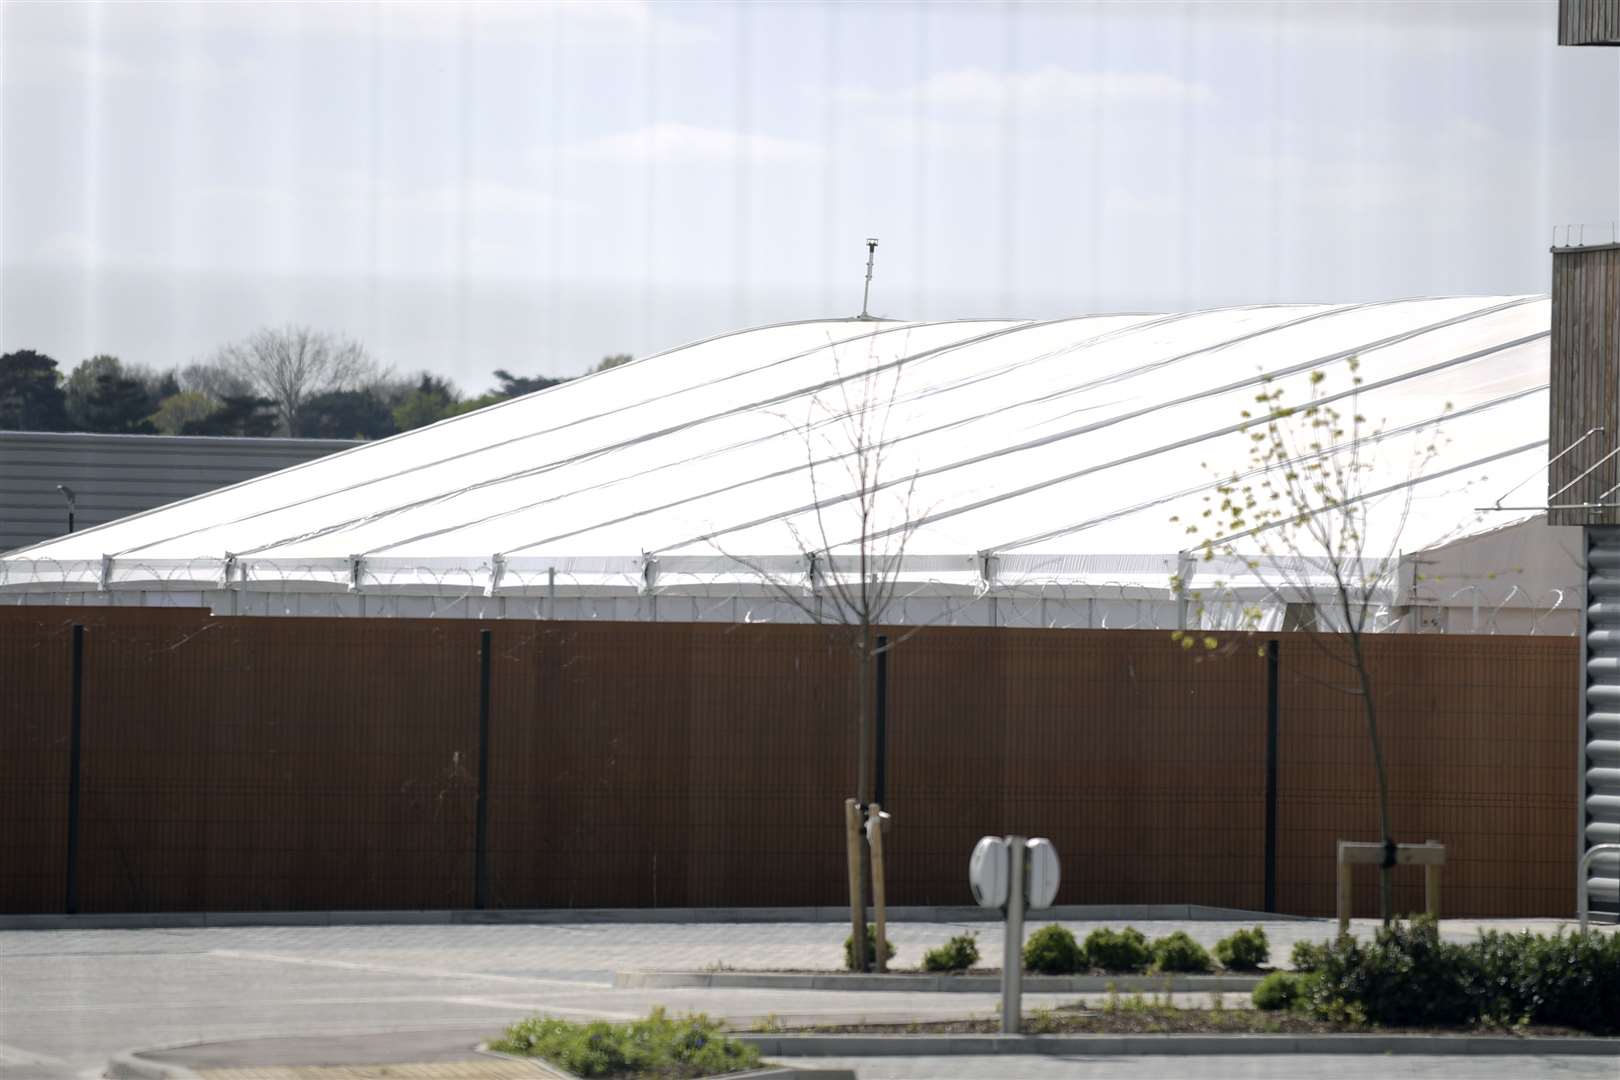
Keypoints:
pixel 1407 976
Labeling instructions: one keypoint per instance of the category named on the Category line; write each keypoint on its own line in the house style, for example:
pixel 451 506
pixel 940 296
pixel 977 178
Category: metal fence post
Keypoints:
pixel 1271 776
pixel 71 899
pixel 481 834
pixel 881 725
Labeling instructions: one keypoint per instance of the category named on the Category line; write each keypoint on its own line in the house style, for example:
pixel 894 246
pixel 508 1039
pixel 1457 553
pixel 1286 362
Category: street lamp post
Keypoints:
pixel 72 501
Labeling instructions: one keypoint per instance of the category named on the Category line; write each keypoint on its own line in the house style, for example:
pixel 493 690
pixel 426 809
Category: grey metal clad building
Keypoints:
pixel 113 476
pixel 1589 22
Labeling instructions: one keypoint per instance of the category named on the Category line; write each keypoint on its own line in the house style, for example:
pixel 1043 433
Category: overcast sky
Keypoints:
pixel 531 186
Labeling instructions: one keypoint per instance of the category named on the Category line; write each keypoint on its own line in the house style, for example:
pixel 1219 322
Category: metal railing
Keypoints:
pixel 1586 868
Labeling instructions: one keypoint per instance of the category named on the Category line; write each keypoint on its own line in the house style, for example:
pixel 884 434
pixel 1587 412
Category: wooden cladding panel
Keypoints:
pixel 1585 383
pixel 1479 737
pixel 659 765
pixel 264 764
pixel 1142 762
pixel 35 695
pixel 279 764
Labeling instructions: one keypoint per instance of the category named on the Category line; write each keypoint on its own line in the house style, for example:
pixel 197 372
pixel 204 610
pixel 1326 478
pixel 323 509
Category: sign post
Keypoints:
pixel 1012 954
pixel 1013 873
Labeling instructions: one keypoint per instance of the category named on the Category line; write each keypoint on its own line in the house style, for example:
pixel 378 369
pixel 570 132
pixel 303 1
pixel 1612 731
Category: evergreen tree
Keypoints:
pixel 31 393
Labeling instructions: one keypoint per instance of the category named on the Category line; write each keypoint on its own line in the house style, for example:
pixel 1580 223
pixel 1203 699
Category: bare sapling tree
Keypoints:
pixel 863 519
pixel 1312 524
pixel 292 364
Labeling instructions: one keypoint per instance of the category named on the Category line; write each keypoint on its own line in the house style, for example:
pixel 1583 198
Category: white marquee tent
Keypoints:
pixel 1026 471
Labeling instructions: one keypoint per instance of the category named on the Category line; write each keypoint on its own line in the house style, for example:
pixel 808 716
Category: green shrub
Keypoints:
pixel 871 947
pixel 1243 950
pixel 1279 990
pixel 690 1046
pixel 958 954
pixel 1052 950
pixel 1307 955
pixel 1579 978
pixel 1406 977
pixel 1409 977
pixel 1501 983
pixel 1567 980
pixel 1178 952
pixel 1117 950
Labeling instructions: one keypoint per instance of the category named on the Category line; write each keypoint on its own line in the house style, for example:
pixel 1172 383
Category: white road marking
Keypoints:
pixel 391 969
pixel 541 1007
pixel 214 1003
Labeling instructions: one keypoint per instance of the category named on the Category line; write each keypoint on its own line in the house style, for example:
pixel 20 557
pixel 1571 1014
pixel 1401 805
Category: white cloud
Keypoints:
pixel 689 144
pixel 1046 87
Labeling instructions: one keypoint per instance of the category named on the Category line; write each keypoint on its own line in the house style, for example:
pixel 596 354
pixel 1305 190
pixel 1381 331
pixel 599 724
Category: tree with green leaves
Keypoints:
pixel 429 401
pixel 245 416
pixel 347 414
pixel 103 395
pixel 186 407
pixel 1315 517
pixel 31 396
pixel 510 386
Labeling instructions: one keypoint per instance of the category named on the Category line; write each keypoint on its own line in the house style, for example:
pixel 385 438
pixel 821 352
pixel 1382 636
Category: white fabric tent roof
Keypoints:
pixel 1015 455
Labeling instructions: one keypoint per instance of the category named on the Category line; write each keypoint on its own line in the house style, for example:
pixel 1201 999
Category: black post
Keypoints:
pixel 1271 775
pixel 71 901
pixel 481 837
pixel 880 794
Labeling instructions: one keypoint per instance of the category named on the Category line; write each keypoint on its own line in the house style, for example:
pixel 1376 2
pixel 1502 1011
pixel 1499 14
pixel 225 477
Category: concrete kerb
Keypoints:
pixel 132 1065
pixel 963 984
pixel 1204 1045
pixel 768 1072
pixel 129 1065
pixel 923 914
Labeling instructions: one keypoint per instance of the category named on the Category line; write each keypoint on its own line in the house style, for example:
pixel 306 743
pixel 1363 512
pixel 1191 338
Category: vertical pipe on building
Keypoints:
pixel 1271 776
pixel 481 834
pixel 71 899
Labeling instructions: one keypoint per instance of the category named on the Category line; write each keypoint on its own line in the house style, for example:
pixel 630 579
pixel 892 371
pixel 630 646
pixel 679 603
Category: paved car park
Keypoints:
pixel 69 999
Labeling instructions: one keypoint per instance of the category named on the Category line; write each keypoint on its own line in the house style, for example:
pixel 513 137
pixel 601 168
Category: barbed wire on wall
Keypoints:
pixel 323 590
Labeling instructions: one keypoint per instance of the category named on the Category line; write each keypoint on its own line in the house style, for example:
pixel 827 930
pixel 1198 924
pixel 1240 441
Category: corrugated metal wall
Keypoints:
pixel 251 764
pixel 1600 757
pixel 118 475
pixel 1584 361
pixel 1589 22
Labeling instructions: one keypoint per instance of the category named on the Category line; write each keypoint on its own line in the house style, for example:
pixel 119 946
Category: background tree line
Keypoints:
pixel 284 381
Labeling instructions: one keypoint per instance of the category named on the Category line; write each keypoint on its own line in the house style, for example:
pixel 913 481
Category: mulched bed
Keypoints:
pixel 1152 1020
pixel 996 971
